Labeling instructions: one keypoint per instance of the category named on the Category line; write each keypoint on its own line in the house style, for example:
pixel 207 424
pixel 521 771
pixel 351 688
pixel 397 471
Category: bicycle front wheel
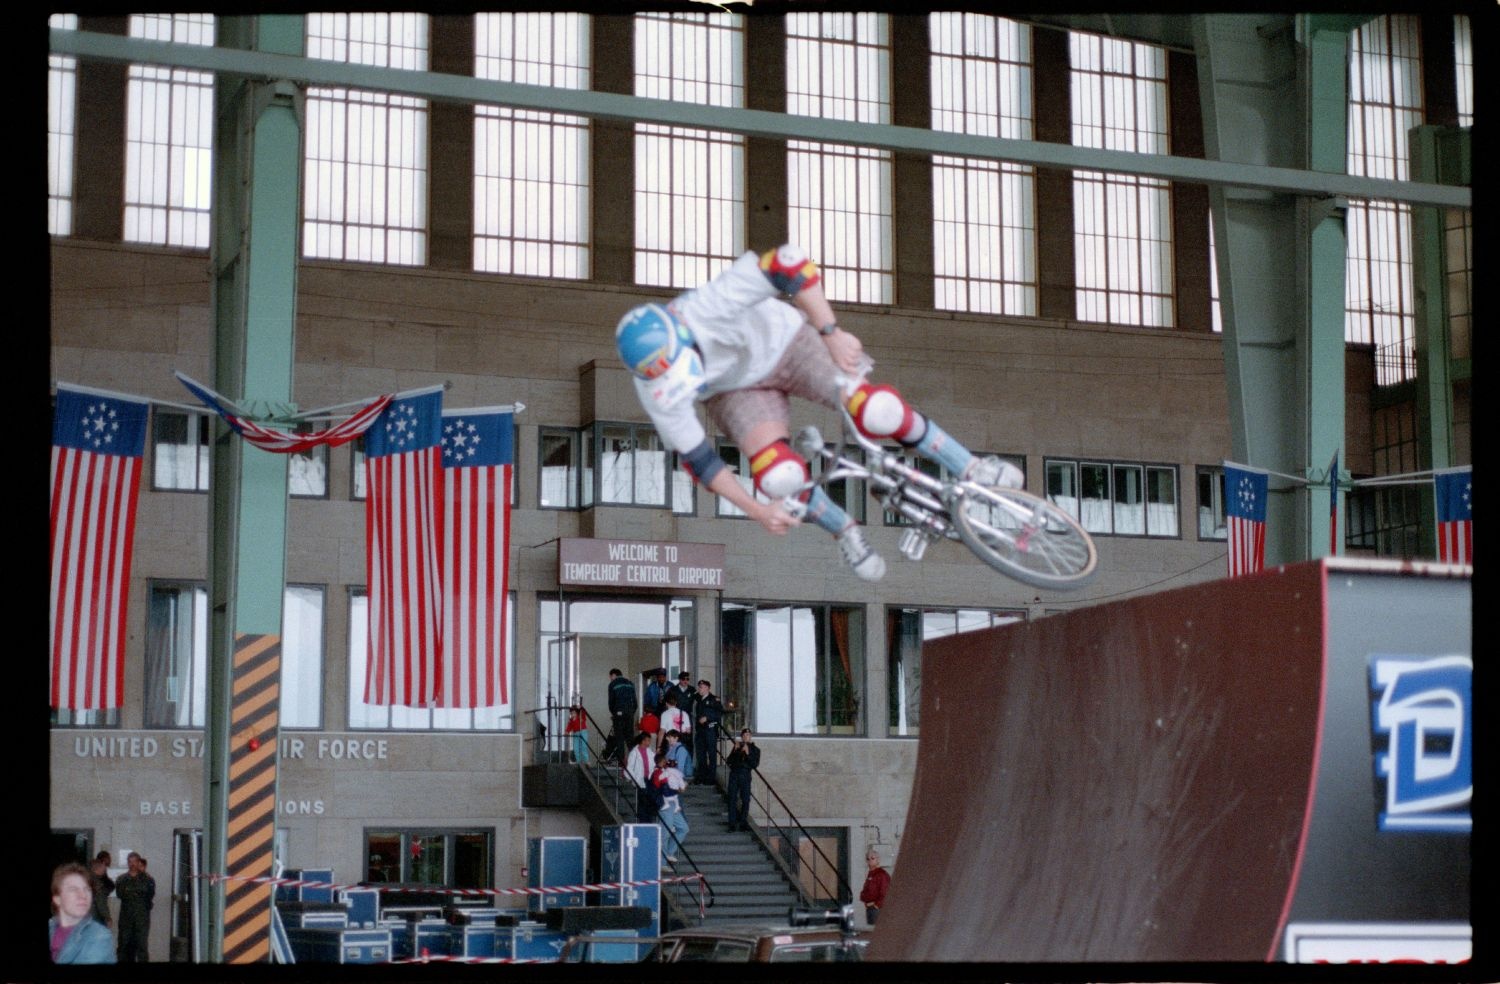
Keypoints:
pixel 1022 536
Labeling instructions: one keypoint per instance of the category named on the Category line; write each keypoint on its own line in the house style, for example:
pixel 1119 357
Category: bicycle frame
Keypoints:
pixel 1018 534
pixel 901 488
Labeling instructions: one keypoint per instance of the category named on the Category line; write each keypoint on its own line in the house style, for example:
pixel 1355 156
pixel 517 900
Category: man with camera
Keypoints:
pixel 743 760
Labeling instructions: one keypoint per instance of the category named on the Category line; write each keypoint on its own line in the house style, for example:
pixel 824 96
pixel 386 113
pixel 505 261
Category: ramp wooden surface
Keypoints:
pixel 1127 782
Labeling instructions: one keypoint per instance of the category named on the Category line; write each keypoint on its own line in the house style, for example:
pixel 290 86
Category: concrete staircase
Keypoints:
pixel 747 883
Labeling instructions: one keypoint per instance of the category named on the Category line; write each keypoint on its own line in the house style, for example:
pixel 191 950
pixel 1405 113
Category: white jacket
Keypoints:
pixel 674 718
pixel 639 764
pixel 742 328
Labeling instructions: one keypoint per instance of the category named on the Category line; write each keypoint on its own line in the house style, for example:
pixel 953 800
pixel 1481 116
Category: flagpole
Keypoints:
pixel 507 408
pixel 1409 478
pixel 1299 479
pixel 95 391
pixel 329 410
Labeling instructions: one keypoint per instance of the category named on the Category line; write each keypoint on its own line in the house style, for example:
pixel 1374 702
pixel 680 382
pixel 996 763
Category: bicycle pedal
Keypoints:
pixel 913 544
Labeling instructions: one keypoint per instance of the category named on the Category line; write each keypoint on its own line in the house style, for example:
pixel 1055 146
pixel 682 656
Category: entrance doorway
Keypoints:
pixel 584 638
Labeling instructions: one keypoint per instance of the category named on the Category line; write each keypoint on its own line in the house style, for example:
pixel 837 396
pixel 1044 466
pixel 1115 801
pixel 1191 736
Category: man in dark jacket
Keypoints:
pixel 708 711
pixel 656 691
pixel 621 716
pixel 102 886
pixel 136 890
pixel 742 762
pixel 685 691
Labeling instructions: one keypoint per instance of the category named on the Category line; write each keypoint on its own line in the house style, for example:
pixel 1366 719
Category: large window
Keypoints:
pixel 635 468
pixel 984 212
pixel 1463 67
pixel 689 182
pixel 1119 498
pixel 1212 521
pixel 302 656
pixel 62 102
pixel 1216 309
pixel 1385 101
pixel 1386 520
pixel 176 655
pixel 561 468
pixel 357 476
pixel 307 471
pixel 739 464
pixel 906 630
pixel 169 139
pixel 365 194
pixel 438 857
pixel 838 66
pixel 847 493
pixel 1122 224
pixel 179 451
pixel 805 664
pixel 176 677
pixel 397 718
pixel 531 187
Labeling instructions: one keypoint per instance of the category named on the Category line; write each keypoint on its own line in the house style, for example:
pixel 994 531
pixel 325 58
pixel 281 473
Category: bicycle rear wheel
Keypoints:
pixel 1022 536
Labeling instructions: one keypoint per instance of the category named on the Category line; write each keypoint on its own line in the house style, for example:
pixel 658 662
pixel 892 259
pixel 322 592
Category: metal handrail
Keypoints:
pixel 612 801
pixel 845 891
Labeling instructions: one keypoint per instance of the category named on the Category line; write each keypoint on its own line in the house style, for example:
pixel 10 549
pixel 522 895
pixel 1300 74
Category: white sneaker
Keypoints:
pixel 992 470
pixel 859 555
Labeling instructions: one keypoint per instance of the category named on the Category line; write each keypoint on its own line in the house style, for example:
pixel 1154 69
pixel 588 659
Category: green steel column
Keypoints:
pixel 1247 82
pixel 1325 42
pixel 257 177
pixel 1273 92
pixel 1440 155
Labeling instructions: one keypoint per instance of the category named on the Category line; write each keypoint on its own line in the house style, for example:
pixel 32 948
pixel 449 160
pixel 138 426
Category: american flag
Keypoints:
pixel 1453 491
pixel 475 548
pixel 403 513
pixel 284 442
pixel 1246 511
pixel 98 444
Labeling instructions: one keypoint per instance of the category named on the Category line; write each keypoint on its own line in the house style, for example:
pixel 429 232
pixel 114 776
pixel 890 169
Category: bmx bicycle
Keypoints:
pixel 1018 534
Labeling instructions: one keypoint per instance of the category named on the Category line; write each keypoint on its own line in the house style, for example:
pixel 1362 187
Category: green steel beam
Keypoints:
pixel 256 221
pixel 1246 173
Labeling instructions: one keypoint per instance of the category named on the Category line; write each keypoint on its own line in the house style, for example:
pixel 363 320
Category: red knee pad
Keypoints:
pixel 779 471
pixel 879 411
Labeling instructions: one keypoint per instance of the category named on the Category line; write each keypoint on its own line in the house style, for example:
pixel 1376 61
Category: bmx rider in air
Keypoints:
pixel 740 348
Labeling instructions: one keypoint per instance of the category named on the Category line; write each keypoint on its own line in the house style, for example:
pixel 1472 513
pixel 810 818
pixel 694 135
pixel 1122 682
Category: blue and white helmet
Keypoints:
pixel 657 347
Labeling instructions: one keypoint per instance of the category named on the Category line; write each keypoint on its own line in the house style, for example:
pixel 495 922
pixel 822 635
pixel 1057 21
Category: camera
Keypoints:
pixel 842 917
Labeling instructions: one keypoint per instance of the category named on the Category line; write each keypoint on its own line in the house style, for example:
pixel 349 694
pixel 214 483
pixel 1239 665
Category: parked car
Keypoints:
pixel 812 936
pixel 759 943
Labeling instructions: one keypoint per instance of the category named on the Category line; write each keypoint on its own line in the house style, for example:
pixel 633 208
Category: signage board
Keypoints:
pixel 640 564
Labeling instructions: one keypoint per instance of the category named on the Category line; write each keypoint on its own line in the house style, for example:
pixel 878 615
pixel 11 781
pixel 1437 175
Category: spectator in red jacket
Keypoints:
pixel 877 883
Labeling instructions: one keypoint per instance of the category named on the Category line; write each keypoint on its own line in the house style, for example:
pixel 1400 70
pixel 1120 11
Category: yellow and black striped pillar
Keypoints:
pixel 254 711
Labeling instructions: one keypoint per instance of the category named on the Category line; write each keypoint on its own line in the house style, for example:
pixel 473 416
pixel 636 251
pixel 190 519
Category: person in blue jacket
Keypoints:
pixel 74 936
